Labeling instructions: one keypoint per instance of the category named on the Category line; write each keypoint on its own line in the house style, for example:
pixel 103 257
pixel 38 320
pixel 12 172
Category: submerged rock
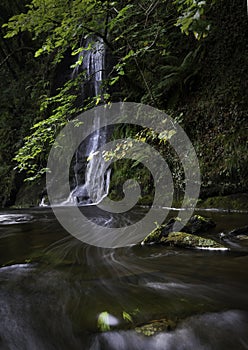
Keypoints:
pixel 241 231
pixel 237 234
pixel 198 223
pixel 156 326
pixel 187 240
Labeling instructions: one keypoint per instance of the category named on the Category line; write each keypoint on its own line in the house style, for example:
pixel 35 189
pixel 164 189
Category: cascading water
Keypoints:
pixel 90 187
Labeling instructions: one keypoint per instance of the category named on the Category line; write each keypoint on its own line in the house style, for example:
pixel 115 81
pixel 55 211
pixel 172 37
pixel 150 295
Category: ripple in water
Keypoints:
pixel 8 219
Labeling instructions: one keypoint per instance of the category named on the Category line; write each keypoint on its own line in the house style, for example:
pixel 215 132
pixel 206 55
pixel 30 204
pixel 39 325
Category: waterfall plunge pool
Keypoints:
pixel 54 289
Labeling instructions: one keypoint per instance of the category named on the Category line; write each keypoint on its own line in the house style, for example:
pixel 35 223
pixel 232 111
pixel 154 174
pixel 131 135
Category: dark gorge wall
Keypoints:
pixel 215 112
pixel 212 106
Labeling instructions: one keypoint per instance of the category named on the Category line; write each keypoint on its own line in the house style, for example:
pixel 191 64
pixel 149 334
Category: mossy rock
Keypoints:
pixel 156 326
pixel 186 240
pixel 159 232
pixel 198 223
pixel 231 202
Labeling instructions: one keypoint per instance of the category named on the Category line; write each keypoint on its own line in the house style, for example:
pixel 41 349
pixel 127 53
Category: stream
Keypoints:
pixel 55 288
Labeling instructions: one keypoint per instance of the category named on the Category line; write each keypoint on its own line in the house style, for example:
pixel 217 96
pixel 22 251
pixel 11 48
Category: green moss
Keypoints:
pixel 160 231
pixel 156 326
pixel 155 236
pixel 186 240
pixel 231 202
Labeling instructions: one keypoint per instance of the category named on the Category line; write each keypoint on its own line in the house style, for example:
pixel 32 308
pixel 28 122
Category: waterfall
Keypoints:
pixel 89 186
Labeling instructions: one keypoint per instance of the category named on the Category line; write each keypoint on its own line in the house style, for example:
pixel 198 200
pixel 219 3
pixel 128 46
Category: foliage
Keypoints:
pixel 127 317
pixel 134 32
pixel 152 61
pixel 193 18
pixel 21 82
pixel 62 108
pixel 124 169
pixel 103 321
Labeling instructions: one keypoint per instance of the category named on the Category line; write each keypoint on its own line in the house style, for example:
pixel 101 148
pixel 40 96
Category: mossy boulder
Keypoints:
pixel 187 240
pixel 163 235
pixel 198 223
pixel 159 232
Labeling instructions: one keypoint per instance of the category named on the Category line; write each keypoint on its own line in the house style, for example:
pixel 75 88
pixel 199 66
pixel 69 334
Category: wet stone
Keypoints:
pixel 237 232
pixel 198 224
pixel 156 326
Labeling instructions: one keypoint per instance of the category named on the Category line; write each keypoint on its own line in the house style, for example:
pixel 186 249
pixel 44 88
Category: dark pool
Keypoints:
pixel 54 288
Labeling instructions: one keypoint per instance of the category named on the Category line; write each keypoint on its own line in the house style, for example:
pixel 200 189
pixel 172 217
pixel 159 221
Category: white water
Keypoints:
pixel 95 184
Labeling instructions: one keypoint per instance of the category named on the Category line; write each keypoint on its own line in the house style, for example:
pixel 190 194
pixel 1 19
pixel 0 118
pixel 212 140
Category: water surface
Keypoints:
pixel 53 288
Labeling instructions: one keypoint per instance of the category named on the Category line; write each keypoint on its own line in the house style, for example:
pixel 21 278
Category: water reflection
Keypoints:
pixel 53 289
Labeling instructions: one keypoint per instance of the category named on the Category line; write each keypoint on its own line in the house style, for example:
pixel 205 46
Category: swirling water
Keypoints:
pixel 53 288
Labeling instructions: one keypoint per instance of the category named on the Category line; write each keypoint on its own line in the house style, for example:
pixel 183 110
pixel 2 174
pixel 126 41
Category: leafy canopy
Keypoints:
pixel 140 36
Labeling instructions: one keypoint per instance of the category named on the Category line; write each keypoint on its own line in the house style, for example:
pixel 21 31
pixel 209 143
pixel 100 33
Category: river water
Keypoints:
pixel 53 289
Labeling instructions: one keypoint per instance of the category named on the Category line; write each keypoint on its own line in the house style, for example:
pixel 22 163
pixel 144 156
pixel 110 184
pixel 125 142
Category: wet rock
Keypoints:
pixel 198 223
pixel 156 326
pixel 186 240
pixel 237 234
pixel 242 237
pixel 159 232
pixel 195 225
pixel 161 235
pixel 241 231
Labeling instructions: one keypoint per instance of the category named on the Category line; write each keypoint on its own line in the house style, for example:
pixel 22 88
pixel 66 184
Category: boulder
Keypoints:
pixel 187 240
pixel 198 223
pixel 180 239
pixel 159 232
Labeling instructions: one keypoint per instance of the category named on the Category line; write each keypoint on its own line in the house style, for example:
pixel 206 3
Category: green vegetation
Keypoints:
pixel 186 57
pixel 103 322
pixel 229 202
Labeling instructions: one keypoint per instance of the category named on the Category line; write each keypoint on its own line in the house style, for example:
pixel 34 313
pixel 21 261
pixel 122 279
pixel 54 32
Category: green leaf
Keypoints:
pixel 127 317
pixel 103 321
